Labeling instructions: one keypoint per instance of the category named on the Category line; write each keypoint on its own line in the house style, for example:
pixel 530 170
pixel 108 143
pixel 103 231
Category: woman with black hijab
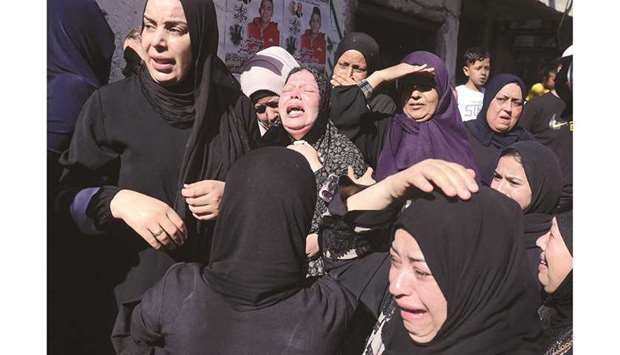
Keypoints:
pixel 356 58
pixel 147 161
pixel 555 273
pixel 80 45
pixel 454 286
pixel 530 173
pixel 252 297
pixel 496 125
pixel 304 106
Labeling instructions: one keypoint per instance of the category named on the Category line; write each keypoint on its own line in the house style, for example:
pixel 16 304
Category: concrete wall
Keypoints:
pixel 123 15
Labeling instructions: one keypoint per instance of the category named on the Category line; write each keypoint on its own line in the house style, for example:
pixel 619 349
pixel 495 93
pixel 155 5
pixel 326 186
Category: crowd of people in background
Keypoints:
pixel 295 211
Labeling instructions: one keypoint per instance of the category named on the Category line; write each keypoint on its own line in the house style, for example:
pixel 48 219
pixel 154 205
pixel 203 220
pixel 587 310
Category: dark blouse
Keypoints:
pixel 182 314
pixel 121 142
pixel 363 122
pixel 486 155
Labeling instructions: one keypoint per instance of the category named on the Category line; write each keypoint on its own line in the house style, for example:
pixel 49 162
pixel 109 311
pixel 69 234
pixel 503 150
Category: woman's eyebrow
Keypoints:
pixel 171 22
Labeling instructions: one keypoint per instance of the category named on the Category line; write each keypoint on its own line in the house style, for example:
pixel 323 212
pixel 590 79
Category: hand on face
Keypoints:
pixel 166 41
pixel 350 69
pixel 203 198
pixel 267 111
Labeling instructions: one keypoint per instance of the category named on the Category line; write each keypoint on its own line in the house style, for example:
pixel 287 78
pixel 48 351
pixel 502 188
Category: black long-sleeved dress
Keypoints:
pixel 122 142
pixel 363 122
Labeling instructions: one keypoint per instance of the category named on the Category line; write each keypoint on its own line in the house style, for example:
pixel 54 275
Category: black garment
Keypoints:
pixel 544 176
pixel 363 122
pixel 133 62
pixel 543 118
pixel 365 127
pixel 125 140
pixel 117 134
pixel 335 150
pixel 557 317
pixel 253 297
pixel 487 143
pixel 362 43
pixel 557 312
pixel 477 260
pixel 491 303
pixel 350 111
pixel 80 45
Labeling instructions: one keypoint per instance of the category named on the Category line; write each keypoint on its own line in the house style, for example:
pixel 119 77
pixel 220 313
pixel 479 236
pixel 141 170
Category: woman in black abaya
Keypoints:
pixel 80 45
pixel 457 286
pixel 496 127
pixel 252 297
pixel 530 173
pixel 146 165
pixel 304 112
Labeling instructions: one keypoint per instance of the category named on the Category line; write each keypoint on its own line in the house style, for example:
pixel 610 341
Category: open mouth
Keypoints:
pixel 412 313
pixel 162 64
pixel 295 110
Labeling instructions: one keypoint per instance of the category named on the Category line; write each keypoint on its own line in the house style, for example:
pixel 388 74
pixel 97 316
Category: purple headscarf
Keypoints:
pixel 442 137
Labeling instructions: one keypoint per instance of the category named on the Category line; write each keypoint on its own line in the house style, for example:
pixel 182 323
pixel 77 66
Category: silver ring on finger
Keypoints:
pixel 158 233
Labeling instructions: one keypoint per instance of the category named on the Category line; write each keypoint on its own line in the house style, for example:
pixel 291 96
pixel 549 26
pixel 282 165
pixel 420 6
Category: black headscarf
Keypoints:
pixel 544 176
pixel 558 321
pixel 362 43
pixel 79 41
pixel 258 252
pixel 563 85
pixel 476 257
pixel 202 100
pixel 280 137
pixel 480 127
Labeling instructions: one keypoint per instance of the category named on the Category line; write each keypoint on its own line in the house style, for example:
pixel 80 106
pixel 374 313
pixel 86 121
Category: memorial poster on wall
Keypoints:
pixel 298 26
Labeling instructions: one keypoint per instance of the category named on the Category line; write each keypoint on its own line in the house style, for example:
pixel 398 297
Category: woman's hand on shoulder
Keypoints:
pixel 308 151
pixel 156 222
pixel 203 198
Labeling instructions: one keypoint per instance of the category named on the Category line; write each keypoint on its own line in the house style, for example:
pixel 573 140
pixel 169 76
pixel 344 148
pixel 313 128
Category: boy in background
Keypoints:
pixel 477 68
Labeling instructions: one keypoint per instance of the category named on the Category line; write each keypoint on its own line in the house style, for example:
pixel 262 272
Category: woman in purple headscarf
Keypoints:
pixel 428 125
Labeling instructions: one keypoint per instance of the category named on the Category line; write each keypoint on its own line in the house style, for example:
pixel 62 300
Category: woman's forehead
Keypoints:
pixel 511 89
pixel 302 77
pixel 171 10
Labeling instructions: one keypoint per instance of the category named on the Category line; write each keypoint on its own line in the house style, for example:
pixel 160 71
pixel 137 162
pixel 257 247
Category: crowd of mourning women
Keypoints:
pixel 374 210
